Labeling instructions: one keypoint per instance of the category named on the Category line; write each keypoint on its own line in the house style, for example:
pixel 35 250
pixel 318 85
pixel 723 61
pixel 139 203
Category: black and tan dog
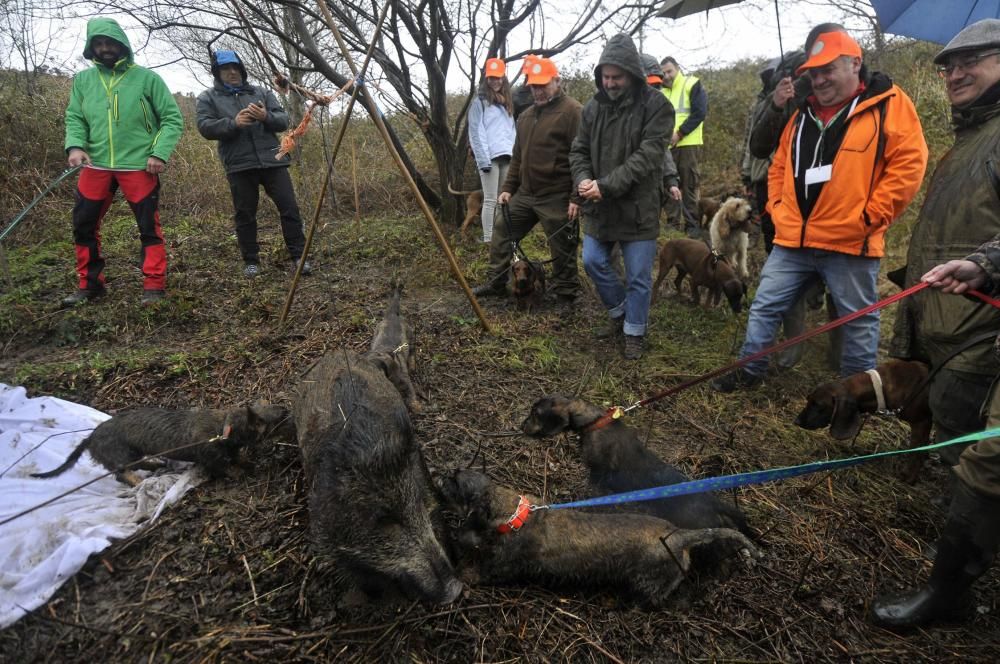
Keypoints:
pixel 528 278
pixel 638 556
pixel 210 438
pixel 619 461
pixel 706 268
pixel 839 404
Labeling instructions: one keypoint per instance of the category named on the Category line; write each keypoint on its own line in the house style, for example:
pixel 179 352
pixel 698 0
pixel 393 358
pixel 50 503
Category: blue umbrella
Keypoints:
pixel 932 20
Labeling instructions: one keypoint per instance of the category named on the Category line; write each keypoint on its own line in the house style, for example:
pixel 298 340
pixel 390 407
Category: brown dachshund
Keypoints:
pixel 528 278
pixel 473 207
pixel 693 257
pixel 840 403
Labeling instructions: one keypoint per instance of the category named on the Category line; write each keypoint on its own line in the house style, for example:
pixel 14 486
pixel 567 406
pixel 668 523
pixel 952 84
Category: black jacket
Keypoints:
pixel 246 148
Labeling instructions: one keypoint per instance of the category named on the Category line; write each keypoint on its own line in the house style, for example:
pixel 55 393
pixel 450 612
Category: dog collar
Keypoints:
pixel 879 394
pixel 517 519
pixel 612 414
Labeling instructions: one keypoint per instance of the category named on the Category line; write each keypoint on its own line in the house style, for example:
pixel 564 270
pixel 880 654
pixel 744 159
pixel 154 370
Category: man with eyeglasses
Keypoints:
pixel 959 226
pixel 850 159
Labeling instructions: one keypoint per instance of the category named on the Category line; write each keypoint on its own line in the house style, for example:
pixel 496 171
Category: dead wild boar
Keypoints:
pixel 215 437
pixel 370 493
pixel 638 556
pixel 619 461
pixel 392 350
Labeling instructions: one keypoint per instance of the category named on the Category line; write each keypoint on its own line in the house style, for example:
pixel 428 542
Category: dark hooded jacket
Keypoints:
pixel 961 211
pixel 123 115
pixel 620 144
pixel 241 148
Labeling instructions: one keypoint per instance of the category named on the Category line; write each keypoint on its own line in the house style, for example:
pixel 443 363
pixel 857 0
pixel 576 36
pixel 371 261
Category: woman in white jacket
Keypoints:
pixel 491 133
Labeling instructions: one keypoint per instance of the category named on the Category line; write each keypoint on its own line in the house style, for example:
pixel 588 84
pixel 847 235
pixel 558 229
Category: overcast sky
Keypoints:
pixel 721 37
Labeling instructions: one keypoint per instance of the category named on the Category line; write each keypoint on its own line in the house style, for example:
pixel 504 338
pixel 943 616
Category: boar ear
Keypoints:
pixel 846 420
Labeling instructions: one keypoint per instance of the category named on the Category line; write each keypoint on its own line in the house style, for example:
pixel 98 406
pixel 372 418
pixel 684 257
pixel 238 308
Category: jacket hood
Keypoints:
pixel 621 52
pixel 220 58
pixel 106 27
pixel 650 65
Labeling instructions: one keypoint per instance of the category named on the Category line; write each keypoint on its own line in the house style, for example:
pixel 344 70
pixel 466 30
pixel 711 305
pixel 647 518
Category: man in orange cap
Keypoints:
pixel 539 185
pixel 851 158
pixel 522 95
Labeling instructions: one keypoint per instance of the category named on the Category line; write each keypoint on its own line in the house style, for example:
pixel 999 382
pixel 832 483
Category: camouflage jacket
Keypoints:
pixel 960 212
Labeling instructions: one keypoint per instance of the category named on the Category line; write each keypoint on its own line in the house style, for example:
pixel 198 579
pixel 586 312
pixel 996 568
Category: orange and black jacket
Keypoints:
pixel 877 154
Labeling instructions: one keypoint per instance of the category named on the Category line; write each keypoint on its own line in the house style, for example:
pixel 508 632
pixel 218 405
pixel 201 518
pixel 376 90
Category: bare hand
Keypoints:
pixel 589 190
pixel 675 139
pixel 155 165
pixel 244 118
pixel 783 92
pixel 257 112
pixel 503 198
pixel 573 211
pixel 955 276
pixel 675 193
pixel 77 157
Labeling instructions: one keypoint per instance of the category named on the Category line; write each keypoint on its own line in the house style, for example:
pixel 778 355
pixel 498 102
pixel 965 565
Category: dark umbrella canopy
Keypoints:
pixel 681 8
pixel 932 20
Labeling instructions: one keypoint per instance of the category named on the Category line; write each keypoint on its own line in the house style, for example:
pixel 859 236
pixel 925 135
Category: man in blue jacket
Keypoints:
pixel 245 121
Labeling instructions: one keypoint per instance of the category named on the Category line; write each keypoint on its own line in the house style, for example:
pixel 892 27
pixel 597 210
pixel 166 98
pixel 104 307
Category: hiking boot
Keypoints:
pixel 736 380
pixel 82 295
pixel 493 288
pixel 307 269
pixel 611 329
pixel 634 345
pixel 152 296
pixel 251 270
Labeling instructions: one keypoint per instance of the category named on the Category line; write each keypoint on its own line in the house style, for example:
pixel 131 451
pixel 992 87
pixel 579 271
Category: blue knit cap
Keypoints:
pixel 227 58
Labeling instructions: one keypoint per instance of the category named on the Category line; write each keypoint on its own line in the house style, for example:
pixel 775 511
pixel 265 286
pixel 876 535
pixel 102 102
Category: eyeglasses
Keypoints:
pixel 965 64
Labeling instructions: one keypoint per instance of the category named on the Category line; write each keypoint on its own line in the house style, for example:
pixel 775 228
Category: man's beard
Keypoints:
pixel 109 59
pixel 614 94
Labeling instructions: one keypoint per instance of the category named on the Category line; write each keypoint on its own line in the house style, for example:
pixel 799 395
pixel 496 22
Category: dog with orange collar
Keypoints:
pixel 619 461
pixel 502 539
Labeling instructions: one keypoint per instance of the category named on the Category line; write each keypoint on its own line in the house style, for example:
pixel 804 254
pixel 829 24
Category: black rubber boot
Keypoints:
pixel 964 553
pixel 82 295
pixel 494 288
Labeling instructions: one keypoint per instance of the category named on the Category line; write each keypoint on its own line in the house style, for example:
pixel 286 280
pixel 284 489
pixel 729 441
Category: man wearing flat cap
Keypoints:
pixel 959 227
pixel 851 158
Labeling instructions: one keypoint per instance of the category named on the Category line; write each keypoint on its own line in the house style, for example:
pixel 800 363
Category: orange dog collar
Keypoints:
pixel 614 413
pixel 517 519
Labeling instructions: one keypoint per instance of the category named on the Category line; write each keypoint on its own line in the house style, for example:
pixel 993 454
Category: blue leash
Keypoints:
pixel 756 477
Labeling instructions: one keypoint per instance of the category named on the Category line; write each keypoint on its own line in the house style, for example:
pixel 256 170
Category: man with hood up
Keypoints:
pixel 122 124
pixel 245 119
pixel 617 164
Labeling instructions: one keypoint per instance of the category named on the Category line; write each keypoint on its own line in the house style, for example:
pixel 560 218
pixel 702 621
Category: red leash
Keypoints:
pixel 617 412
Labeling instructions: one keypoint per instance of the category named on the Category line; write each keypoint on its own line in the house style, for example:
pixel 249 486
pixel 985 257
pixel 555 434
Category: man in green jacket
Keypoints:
pixel 122 124
pixel 539 186
pixel 617 162
pixel 955 334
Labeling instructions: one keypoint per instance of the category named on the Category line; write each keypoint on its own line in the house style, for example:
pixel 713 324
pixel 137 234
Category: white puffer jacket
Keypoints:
pixel 491 132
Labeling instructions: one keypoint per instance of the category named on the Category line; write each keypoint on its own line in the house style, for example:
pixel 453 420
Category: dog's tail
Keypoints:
pixel 68 463
pixel 464 192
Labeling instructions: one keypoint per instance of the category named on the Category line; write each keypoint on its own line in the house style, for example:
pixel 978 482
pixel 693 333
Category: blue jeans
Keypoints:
pixel 786 274
pixel 630 299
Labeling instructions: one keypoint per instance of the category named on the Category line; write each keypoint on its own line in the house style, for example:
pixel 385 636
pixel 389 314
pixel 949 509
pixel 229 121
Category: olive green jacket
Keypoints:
pixel 960 213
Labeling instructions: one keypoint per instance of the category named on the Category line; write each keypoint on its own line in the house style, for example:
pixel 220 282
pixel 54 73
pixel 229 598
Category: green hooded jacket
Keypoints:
pixel 120 116
pixel 620 144
pixel 960 212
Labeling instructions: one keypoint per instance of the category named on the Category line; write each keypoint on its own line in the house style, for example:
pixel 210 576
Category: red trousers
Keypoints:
pixel 94 193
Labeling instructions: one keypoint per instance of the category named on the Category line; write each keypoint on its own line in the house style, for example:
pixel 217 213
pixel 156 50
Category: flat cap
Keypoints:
pixel 980 34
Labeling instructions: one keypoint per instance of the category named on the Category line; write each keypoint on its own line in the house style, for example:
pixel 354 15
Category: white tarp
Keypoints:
pixel 43 549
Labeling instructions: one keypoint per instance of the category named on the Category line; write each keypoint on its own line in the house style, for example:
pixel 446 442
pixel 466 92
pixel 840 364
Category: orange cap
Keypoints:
pixel 542 71
pixel 529 60
pixel 651 79
pixel 496 67
pixel 828 47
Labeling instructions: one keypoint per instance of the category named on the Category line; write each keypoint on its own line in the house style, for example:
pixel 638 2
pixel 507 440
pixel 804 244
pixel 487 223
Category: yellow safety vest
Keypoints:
pixel 680 97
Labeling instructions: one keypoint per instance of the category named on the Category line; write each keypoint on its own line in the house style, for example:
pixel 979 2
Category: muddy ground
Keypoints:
pixel 228 574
